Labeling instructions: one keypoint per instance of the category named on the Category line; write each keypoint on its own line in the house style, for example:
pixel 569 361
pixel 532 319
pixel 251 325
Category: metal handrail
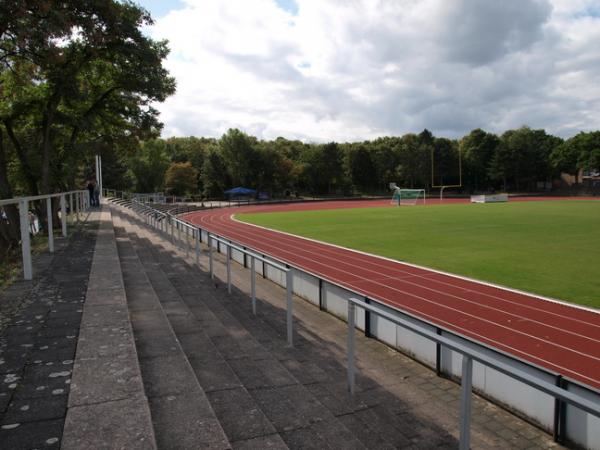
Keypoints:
pixel 81 201
pixel 469 355
pixel 163 226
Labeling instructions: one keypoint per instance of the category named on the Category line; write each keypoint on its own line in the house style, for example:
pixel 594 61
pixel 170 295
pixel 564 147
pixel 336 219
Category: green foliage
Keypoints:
pixel 214 176
pixel 76 77
pixel 149 165
pixel 550 248
pixel 522 158
pixel 477 150
pixel 582 151
pixel 181 178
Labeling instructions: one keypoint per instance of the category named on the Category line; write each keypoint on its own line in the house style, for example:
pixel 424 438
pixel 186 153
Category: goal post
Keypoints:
pixel 408 197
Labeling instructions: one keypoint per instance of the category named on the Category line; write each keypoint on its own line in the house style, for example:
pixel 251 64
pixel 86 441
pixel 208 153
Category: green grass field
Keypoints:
pixel 550 248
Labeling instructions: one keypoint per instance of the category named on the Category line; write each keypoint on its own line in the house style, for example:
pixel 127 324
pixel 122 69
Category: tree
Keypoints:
pixel 323 171
pixel 148 166
pixel 215 178
pixel 181 178
pixel 477 150
pixel 582 151
pixel 445 162
pixel 241 157
pixel 361 169
pixel 76 72
pixel 522 158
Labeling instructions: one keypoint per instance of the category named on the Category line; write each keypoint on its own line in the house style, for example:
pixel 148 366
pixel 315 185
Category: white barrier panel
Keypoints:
pixel 583 428
pixel 237 256
pixel 383 329
pixel 536 405
pixel 306 286
pixel 273 274
pixel 335 302
pixel 417 346
pixel 489 198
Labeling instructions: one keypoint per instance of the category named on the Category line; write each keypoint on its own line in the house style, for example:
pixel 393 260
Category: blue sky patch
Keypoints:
pixel 288 5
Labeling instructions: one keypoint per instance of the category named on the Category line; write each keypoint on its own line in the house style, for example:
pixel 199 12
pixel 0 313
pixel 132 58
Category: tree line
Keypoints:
pixel 522 159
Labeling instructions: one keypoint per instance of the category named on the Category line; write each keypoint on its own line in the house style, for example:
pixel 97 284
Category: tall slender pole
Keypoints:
pixel 253 282
pixel 228 268
pixel 77 202
pixel 100 184
pixel 290 315
pixel 210 256
pixel 63 214
pixel 351 369
pixel 465 402
pixel 25 239
pixel 197 236
pixel 71 210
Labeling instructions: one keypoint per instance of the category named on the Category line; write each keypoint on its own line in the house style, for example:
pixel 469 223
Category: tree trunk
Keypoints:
pixel 47 147
pixel 30 178
pixel 10 227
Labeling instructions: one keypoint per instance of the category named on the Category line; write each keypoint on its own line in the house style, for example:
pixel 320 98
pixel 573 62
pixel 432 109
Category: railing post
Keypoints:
pixel 187 241
pixel 290 316
pixel 172 230
pixel 71 210
pixel 228 268
pixel 25 239
pixel 179 233
pixel 50 225
pixel 210 256
pixel 253 282
pixel 77 198
pixel 465 402
pixel 197 235
pixel 351 370
pixel 63 214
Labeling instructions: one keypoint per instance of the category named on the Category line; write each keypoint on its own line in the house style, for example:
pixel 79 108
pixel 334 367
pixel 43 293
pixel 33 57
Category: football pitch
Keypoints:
pixel 550 248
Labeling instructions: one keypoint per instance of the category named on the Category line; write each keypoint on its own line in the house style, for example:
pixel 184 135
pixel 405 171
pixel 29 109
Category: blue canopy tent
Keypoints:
pixel 240 191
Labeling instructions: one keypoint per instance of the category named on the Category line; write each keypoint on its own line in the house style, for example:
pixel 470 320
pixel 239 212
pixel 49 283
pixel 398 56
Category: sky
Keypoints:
pixel 353 70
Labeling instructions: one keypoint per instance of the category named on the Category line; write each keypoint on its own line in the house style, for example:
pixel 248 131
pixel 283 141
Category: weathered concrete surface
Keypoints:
pixel 107 404
pixel 182 415
pixel 39 325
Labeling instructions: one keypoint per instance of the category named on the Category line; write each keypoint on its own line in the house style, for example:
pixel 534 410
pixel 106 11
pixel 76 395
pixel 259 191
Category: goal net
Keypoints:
pixel 408 197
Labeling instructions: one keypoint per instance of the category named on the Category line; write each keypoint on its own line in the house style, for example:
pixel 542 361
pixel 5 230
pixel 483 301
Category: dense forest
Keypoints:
pixel 522 160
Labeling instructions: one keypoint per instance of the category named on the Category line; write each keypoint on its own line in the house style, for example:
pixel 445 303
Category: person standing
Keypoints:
pixel 96 193
pixel 90 189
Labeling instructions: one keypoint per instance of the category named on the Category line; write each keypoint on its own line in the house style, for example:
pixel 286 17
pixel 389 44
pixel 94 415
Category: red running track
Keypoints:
pixel 562 338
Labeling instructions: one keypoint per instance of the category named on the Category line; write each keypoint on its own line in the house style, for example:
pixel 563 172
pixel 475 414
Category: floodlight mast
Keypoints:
pixel 442 187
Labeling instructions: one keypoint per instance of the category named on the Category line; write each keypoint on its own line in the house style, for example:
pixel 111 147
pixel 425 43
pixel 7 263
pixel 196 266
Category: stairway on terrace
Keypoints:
pixel 218 376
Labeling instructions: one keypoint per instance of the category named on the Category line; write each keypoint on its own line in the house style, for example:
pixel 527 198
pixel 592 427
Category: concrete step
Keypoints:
pixel 181 412
pixel 107 407
pixel 241 417
pixel 246 381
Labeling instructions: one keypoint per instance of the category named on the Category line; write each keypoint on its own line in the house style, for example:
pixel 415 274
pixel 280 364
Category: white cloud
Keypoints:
pixel 354 70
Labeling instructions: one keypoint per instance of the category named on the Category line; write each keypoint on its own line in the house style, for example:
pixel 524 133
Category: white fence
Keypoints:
pixel 78 202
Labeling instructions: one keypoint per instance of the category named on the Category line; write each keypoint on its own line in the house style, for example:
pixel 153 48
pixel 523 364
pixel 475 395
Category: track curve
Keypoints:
pixel 562 338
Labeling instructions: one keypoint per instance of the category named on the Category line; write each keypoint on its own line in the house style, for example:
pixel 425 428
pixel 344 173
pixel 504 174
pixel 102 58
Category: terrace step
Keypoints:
pixel 181 413
pixel 250 375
